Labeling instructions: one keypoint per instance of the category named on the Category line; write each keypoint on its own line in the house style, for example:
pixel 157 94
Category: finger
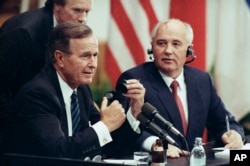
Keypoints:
pixel 185 153
pixel 172 154
pixel 132 81
pixel 225 138
pixel 104 103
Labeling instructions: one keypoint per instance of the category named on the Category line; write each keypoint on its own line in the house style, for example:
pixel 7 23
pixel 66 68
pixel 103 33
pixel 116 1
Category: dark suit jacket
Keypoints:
pixel 23 40
pixel 205 108
pixel 39 124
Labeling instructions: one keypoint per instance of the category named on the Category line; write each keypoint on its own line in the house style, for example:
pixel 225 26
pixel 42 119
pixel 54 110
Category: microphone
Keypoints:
pixel 112 95
pixel 150 111
pixel 156 129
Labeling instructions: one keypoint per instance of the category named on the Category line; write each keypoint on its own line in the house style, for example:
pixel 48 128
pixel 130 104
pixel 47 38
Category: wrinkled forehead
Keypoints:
pixel 87 43
pixel 170 31
pixel 86 3
pixel 173 25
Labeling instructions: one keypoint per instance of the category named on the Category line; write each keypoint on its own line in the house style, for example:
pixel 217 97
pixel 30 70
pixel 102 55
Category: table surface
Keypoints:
pixel 182 161
pixel 211 158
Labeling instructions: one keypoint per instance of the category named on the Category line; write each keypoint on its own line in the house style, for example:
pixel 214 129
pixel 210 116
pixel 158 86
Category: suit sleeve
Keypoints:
pixel 216 117
pixel 39 118
pixel 14 49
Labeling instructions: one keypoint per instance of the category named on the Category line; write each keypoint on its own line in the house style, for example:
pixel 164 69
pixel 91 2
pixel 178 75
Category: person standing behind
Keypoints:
pixel 23 44
pixel 203 108
pixel 43 122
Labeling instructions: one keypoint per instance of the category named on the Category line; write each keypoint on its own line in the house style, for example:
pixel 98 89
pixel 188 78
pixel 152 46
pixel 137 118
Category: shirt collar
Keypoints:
pixel 54 21
pixel 168 80
pixel 66 89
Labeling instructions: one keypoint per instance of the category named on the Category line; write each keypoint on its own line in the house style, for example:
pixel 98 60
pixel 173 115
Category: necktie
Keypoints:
pixel 75 112
pixel 174 87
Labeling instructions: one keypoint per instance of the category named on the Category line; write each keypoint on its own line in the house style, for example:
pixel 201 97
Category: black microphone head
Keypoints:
pixel 109 95
pixel 147 123
pixel 143 119
pixel 148 110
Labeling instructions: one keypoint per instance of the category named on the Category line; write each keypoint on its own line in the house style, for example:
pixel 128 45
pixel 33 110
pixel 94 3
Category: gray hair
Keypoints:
pixel 189 30
pixel 61 35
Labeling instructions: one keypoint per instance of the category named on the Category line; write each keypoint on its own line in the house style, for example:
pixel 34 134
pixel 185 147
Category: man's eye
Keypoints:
pixel 161 43
pixel 85 57
pixel 77 10
pixel 176 44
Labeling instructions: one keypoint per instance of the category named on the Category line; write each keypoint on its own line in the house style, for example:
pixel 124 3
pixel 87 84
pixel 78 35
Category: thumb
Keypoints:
pixel 225 138
pixel 104 103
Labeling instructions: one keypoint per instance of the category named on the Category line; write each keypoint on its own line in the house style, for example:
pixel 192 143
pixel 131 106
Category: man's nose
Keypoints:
pixel 82 18
pixel 168 49
pixel 93 62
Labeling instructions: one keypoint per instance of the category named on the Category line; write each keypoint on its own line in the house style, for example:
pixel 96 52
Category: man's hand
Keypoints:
pixel 112 116
pixel 232 140
pixel 135 93
pixel 174 152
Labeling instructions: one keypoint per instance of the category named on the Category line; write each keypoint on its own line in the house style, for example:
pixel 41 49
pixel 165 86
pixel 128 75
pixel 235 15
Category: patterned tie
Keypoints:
pixel 174 87
pixel 75 112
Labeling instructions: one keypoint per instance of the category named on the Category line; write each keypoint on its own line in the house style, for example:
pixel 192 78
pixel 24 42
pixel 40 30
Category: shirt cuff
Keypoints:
pixel 133 122
pixel 148 143
pixel 102 133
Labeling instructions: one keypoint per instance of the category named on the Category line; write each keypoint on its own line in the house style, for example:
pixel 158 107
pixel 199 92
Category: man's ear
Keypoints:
pixel 59 57
pixel 56 7
pixel 56 10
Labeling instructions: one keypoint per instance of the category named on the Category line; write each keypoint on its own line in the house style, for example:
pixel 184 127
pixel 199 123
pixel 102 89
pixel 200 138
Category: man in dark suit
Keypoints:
pixel 202 107
pixel 41 121
pixel 23 43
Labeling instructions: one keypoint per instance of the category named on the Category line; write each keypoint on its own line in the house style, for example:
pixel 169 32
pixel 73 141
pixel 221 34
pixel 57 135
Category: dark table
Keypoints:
pixel 211 158
pixel 182 161
pixel 27 160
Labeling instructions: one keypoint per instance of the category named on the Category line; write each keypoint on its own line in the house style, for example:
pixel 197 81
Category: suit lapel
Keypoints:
pixel 168 106
pixel 194 97
pixel 58 97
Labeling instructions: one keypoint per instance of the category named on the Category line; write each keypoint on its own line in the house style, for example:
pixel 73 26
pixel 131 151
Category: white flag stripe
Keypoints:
pixel 120 49
pixel 138 18
pixel 136 24
pixel 232 67
pixel 41 3
pixel 161 8
pixel 24 6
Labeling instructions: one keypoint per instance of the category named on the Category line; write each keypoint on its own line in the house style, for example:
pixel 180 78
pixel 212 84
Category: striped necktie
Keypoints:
pixel 75 112
pixel 174 87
